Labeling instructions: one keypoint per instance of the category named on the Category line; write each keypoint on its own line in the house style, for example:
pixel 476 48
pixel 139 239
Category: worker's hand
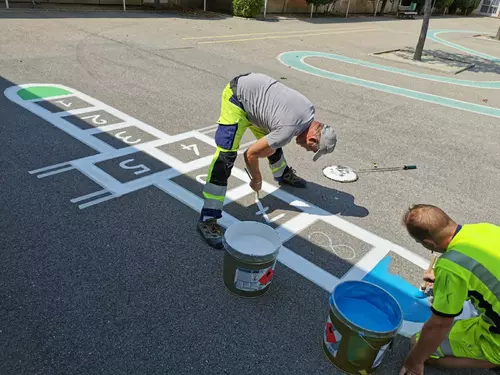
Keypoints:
pixel 429 277
pixel 413 370
pixel 256 185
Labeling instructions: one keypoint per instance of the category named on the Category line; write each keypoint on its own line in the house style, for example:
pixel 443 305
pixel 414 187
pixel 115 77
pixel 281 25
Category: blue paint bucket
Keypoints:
pixel 364 319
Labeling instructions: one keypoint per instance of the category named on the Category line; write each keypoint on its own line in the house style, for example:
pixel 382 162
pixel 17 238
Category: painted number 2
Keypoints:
pixel 141 167
pixel 95 119
pixel 192 147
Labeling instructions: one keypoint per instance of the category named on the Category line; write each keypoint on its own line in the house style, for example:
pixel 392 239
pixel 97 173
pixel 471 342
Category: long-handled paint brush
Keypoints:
pixel 423 287
pixel 259 203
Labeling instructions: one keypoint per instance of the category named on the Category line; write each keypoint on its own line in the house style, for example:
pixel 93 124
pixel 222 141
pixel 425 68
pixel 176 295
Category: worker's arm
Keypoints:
pixel 450 293
pixel 259 149
pixel 432 335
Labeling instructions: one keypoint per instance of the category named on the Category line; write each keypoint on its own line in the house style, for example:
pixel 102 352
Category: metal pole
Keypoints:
pixel 205 5
pixel 7 4
pixel 347 10
pixel 265 8
pixel 124 7
pixel 312 8
pixel 375 11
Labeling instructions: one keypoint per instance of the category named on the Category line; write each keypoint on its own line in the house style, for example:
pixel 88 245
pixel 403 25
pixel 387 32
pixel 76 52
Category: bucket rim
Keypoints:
pixel 273 237
pixel 332 301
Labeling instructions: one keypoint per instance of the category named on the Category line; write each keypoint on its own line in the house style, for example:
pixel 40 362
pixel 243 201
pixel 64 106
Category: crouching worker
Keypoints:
pixel 467 270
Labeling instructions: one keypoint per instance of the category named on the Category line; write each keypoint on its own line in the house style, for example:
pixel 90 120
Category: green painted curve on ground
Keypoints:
pixel 40 92
pixel 296 60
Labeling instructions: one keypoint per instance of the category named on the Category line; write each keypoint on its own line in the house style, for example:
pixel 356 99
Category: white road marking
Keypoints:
pixel 115 188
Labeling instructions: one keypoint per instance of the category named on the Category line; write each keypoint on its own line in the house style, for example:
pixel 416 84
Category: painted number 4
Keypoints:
pixel 141 167
pixel 192 147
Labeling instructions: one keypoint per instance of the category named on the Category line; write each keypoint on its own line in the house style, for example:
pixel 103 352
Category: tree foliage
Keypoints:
pixel 247 8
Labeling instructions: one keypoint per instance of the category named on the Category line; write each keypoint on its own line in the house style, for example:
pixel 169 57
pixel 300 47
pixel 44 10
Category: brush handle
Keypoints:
pixel 410 167
pixel 431 265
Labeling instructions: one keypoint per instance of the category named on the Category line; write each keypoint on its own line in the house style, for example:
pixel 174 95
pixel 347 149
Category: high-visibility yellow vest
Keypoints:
pixel 474 255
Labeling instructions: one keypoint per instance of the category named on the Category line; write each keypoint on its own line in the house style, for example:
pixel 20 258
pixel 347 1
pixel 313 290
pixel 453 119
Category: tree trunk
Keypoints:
pixel 498 34
pixel 423 31
pixel 384 3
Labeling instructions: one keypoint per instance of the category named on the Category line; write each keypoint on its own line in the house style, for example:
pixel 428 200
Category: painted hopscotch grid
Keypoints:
pixel 149 157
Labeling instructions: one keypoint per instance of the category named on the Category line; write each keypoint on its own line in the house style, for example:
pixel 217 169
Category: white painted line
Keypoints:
pixel 35 171
pixel 78 111
pixel 295 225
pixel 97 201
pixel 55 172
pixel 411 256
pixel 50 98
pixel 307 269
pixel 237 193
pixel 88 196
pixel 207 128
pixel 366 264
pixel 106 128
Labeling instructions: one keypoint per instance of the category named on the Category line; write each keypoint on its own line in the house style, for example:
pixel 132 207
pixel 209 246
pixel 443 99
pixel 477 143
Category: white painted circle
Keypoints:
pixel 253 239
pixel 340 173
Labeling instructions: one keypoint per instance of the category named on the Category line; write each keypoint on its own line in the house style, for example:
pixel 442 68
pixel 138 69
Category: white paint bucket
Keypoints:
pixel 251 250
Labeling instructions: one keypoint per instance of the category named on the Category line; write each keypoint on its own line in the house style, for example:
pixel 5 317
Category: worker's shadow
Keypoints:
pixel 332 200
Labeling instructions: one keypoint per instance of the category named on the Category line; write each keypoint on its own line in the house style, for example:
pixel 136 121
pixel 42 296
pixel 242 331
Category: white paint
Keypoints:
pixel 289 229
pixel 97 201
pixel 55 172
pixel 142 168
pixel 126 138
pixel 35 171
pixel 331 247
pixel 251 244
pixel 95 119
pixel 88 196
pixel 261 208
pixel 201 178
pixel 366 264
pixel 192 147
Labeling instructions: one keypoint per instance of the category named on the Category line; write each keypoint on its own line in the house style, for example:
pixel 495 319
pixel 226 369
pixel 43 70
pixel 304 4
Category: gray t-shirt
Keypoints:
pixel 282 112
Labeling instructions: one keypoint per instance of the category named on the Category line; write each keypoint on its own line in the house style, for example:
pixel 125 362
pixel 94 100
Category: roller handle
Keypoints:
pixel 410 167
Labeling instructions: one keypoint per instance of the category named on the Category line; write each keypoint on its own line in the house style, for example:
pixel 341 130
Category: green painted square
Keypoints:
pixel 39 92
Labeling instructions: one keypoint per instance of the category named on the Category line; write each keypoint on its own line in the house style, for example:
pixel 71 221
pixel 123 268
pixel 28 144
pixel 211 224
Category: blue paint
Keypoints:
pixel 414 309
pixel 296 60
pixel 409 73
pixel 366 306
pixel 432 34
pixel 363 314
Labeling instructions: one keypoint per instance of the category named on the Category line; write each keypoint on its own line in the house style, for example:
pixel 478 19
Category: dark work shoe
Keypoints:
pixel 290 178
pixel 211 232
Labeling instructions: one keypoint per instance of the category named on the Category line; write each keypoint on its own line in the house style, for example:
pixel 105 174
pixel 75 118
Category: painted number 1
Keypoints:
pixel 142 168
pixel 192 147
pixel 67 105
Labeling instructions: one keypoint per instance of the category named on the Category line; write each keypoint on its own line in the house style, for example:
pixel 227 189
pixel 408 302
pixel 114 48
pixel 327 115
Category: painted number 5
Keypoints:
pixel 142 168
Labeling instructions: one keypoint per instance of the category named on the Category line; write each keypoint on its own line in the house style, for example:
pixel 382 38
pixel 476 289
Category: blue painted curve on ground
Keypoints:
pixel 296 60
pixel 410 298
pixel 433 35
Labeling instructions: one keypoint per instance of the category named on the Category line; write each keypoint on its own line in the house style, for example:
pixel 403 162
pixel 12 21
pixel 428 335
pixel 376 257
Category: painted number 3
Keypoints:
pixel 141 167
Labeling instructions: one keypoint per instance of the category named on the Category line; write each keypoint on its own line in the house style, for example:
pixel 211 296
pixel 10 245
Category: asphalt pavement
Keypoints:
pixel 126 285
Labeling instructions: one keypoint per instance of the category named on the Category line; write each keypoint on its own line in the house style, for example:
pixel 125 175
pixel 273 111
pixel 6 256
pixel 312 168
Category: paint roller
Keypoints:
pixel 423 286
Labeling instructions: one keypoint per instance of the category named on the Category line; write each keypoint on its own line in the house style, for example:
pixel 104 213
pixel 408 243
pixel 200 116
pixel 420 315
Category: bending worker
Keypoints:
pixel 275 114
pixel 468 269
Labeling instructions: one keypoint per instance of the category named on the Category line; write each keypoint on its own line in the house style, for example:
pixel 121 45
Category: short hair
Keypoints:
pixel 425 221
